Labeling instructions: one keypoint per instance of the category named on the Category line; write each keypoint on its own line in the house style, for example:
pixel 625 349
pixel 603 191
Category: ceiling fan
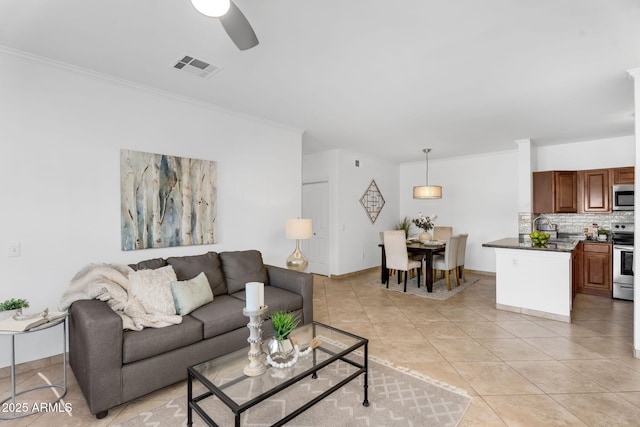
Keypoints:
pixel 233 21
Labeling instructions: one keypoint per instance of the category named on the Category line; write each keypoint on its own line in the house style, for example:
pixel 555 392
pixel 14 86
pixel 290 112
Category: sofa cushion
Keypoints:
pixel 153 289
pixel 191 294
pixel 223 314
pixel 276 299
pixel 138 345
pixel 150 264
pixel 241 267
pixel 188 267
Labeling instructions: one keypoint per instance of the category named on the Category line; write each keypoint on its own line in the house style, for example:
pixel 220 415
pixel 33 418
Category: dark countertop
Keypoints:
pixel 519 243
pixel 601 242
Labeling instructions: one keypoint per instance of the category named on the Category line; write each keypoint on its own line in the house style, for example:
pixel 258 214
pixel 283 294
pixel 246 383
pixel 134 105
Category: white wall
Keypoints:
pixel 600 153
pixel 479 197
pixel 62 133
pixel 354 239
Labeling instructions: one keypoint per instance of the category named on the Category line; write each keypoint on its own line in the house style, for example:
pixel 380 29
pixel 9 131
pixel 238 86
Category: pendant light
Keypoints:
pixel 427 191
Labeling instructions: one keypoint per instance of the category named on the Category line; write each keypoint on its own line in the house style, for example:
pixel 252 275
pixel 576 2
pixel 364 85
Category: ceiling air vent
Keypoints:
pixel 196 66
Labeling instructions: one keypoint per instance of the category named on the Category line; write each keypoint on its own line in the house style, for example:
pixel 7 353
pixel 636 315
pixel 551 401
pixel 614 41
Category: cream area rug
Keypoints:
pixel 440 291
pixel 397 397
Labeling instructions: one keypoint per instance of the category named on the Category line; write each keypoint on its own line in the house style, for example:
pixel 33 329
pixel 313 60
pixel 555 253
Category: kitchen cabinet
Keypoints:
pixel 555 192
pixel 622 175
pixel 594 191
pixel 596 276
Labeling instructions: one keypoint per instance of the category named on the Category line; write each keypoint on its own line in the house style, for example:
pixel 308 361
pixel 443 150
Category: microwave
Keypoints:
pixel 623 197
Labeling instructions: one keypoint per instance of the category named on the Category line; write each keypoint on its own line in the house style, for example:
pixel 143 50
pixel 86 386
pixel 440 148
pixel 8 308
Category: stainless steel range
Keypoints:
pixel 622 235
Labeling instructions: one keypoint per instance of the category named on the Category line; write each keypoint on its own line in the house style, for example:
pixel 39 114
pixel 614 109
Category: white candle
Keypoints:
pixel 253 295
pixel 261 295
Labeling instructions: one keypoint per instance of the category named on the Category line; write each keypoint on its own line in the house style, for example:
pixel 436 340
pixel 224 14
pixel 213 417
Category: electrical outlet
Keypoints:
pixel 514 262
pixel 14 250
pixel 362 256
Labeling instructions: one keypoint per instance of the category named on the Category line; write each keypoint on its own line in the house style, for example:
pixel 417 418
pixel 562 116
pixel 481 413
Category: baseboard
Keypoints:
pixel 33 364
pixel 482 273
pixel 353 273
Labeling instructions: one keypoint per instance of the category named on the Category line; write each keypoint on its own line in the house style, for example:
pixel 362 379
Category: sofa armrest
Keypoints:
pixel 95 353
pixel 296 282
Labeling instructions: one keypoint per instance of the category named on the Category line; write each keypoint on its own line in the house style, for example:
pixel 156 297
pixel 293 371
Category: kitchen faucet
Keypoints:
pixel 552 226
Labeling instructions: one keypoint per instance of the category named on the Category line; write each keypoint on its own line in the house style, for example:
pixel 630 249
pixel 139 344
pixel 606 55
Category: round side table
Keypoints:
pixel 18 410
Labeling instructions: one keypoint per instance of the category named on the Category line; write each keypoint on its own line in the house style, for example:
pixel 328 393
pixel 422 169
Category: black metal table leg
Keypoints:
pixel 189 399
pixel 315 373
pixel 366 374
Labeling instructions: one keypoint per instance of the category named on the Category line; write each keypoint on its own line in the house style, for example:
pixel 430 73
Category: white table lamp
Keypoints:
pixel 298 229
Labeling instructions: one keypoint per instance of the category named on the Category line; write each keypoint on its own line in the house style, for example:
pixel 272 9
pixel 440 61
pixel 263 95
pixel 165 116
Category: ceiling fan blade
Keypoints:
pixel 238 28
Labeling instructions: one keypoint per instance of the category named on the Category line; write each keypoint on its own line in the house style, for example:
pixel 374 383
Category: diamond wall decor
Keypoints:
pixel 372 201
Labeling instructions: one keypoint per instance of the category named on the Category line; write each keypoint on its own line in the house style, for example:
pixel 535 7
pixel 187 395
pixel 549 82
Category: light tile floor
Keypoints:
pixel 519 370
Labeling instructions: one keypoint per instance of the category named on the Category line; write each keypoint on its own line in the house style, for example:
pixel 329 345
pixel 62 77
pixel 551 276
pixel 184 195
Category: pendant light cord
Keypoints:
pixel 426 155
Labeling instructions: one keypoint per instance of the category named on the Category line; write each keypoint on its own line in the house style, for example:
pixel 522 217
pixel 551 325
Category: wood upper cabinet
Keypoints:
pixel 585 191
pixel 596 276
pixel 555 192
pixel 594 190
pixel 622 175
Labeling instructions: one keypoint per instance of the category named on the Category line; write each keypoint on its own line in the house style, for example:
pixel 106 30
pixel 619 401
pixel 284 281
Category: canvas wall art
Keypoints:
pixel 166 200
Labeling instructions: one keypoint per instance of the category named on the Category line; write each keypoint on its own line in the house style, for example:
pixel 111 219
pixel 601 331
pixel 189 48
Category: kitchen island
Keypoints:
pixel 536 281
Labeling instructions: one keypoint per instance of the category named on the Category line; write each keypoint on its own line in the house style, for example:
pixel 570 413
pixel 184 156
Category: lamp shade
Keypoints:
pixel 298 229
pixel 427 192
pixel 212 8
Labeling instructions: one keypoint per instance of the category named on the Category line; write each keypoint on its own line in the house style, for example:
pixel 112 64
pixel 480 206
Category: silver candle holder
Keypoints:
pixel 256 364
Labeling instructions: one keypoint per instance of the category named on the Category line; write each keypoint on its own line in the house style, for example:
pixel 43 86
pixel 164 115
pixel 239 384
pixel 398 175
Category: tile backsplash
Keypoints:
pixel 574 223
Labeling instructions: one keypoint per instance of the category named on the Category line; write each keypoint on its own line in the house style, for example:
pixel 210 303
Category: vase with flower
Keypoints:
pixel 426 224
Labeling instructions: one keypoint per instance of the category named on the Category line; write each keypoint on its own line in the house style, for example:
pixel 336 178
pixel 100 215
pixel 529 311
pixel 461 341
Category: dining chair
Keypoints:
pixel 442 233
pixel 390 271
pixel 397 256
pixel 462 248
pixel 448 261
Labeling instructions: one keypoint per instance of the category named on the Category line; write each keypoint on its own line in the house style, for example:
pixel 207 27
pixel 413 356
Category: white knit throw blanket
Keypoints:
pixel 110 283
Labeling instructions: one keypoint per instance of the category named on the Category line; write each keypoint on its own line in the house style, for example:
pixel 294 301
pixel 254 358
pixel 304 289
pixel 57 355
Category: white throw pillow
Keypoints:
pixel 191 294
pixel 153 289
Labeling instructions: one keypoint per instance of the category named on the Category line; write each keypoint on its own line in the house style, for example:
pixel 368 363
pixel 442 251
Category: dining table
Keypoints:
pixel 417 248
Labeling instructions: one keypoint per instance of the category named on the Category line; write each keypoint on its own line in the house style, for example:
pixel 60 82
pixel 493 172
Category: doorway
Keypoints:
pixel 315 205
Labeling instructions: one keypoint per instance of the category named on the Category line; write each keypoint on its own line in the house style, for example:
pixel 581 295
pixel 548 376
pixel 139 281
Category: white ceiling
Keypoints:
pixel 385 78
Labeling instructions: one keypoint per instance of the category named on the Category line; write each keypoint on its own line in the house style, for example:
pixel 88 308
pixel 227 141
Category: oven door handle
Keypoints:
pixel 623 247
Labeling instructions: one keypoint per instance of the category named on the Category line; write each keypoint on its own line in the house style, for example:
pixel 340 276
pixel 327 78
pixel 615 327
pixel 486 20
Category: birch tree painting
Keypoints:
pixel 166 200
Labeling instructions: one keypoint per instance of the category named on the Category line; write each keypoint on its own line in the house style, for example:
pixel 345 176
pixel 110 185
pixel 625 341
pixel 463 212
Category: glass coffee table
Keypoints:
pixel 223 376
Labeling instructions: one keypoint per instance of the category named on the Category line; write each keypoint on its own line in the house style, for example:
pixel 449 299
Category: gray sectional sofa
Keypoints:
pixel 113 366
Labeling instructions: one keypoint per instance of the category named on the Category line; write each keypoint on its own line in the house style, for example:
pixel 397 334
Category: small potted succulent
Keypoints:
pixel 603 234
pixel 280 347
pixel 12 307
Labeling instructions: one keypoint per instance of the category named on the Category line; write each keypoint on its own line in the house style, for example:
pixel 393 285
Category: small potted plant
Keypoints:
pixel 280 347
pixel 603 234
pixel 405 225
pixel 12 307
